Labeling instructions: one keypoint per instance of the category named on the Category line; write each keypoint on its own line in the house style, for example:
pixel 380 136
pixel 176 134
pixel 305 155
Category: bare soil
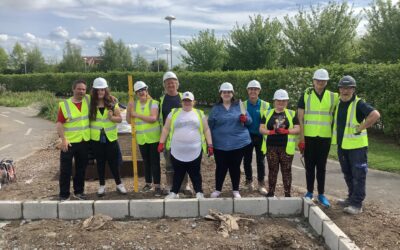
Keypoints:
pixel 376 228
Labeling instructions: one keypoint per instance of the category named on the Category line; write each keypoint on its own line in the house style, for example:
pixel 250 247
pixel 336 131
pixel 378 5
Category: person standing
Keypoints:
pixel 352 118
pixel 103 115
pixel 188 136
pixel 170 100
pixel 73 129
pixel 230 137
pixel 315 113
pixel 256 108
pixel 280 127
pixel 148 130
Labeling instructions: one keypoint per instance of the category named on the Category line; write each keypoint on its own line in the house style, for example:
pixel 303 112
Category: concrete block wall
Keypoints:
pixel 157 208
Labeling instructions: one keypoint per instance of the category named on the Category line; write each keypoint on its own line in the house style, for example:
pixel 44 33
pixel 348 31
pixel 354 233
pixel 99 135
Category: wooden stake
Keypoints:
pixel 133 132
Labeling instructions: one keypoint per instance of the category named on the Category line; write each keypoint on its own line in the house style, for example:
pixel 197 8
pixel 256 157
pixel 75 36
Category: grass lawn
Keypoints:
pixel 383 153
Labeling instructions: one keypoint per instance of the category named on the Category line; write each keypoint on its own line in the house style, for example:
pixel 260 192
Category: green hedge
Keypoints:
pixel 379 84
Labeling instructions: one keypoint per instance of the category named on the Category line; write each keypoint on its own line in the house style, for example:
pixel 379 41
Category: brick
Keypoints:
pixel 347 244
pixel 117 209
pixel 307 203
pixel 223 205
pixel 71 210
pixel 331 234
pixel 146 208
pixel 181 208
pixel 10 210
pixel 40 210
pixel 251 205
pixel 282 207
pixel 316 217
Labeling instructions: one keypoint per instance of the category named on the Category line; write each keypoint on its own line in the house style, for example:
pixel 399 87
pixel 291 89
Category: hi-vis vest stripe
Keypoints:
pixel 351 140
pixel 264 106
pixel 76 127
pixel 146 132
pixel 161 103
pixel 102 122
pixel 291 142
pixel 200 114
pixel 318 114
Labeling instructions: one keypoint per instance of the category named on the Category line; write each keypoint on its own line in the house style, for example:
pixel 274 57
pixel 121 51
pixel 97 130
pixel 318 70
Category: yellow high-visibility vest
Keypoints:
pixel 264 106
pixel 291 141
pixel 351 140
pixel 200 114
pixel 146 132
pixel 318 114
pixel 76 127
pixel 102 122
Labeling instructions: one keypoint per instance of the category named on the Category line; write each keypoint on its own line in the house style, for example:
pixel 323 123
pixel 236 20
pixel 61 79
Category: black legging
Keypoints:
pixel 106 152
pixel 192 168
pixel 315 156
pixel 151 160
pixel 228 160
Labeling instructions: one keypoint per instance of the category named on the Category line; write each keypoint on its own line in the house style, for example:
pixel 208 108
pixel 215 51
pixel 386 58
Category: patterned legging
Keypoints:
pixel 277 156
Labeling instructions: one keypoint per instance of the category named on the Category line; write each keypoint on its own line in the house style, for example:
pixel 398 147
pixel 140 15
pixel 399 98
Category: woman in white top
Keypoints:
pixel 187 131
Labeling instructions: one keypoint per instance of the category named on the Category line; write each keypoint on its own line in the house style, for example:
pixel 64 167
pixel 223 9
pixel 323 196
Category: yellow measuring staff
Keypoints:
pixel 133 132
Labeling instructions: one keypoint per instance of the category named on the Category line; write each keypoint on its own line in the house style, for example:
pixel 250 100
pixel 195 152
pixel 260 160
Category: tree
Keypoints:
pixel 72 59
pixel 382 41
pixel 255 46
pixel 3 60
pixel 140 63
pixel 116 56
pixel 161 65
pixel 17 59
pixel 205 52
pixel 35 62
pixel 321 36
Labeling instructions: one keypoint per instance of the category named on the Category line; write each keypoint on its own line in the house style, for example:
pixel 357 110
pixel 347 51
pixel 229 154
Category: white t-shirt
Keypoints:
pixel 186 140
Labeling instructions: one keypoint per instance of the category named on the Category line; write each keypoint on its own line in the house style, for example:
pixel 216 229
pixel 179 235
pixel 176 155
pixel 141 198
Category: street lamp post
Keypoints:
pixel 167 53
pixel 170 18
pixel 158 62
pixel 85 59
pixel 25 60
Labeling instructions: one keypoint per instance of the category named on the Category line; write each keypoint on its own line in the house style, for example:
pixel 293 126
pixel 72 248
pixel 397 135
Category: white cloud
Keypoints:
pixel 31 40
pixel 92 34
pixel 39 4
pixel 60 32
pixel 77 42
pixel 69 15
pixel 132 45
pixel 3 37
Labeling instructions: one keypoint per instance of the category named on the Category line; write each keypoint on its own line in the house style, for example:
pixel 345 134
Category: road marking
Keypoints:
pixel 4 115
pixel 20 122
pixel 28 131
pixel 6 146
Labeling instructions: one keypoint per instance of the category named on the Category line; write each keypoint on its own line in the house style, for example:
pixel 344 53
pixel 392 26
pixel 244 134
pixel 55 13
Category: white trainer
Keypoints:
pixel 199 195
pixel 236 194
pixel 172 195
pixel 121 189
pixel 215 194
pixel 101 191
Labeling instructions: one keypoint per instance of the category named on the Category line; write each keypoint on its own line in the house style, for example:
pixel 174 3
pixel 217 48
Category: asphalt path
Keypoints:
pixel 22 132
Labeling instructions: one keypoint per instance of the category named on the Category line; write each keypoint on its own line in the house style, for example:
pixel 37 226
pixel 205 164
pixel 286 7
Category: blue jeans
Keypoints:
pixel 354 164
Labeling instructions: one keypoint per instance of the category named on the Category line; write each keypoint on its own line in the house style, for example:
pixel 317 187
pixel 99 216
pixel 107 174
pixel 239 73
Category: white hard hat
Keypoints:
pixel 188 95
pixel 226 86
pixel 254 84
pixel 169 75
pixel 139 85
pixel 100 83
pixel 321 74
pixel 281 94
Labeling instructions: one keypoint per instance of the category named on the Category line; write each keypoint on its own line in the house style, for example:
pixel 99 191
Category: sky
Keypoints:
pixel 141 25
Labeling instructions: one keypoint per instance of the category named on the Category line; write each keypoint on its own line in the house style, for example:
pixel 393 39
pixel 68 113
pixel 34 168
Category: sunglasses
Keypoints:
pixel 140 90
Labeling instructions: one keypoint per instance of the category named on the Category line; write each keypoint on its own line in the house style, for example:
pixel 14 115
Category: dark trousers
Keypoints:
pixel 315 156
pixel 277 157
pixel 192 168
pixel 151 159
pixel 256 142
pixel 78 152
pixel 228 160
pixel 354 164
pixel 107 152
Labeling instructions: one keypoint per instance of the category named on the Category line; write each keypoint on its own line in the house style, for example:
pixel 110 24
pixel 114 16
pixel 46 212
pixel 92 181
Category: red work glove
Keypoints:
pixel 271 132
pixel 210 150
pixel 282 131
pixel 301 146
pixel 160 147
pixel 243 118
